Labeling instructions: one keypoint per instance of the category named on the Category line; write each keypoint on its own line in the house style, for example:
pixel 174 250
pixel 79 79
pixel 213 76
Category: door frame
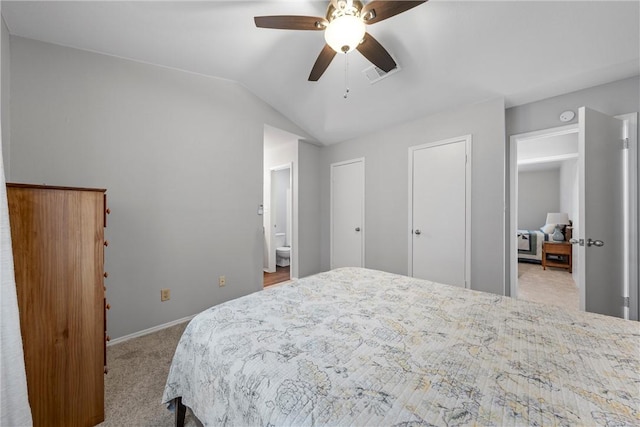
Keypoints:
pixel 467 140
pixel 632 287
pixel 631 277
pixel 363 226
pixel 272 235
pixel 512 249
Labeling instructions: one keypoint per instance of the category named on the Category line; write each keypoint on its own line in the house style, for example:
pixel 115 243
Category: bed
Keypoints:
pixel 530 245
pixel 362 347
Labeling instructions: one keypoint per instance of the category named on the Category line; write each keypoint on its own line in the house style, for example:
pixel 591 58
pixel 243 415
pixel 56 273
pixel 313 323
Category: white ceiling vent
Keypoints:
pixel 375 74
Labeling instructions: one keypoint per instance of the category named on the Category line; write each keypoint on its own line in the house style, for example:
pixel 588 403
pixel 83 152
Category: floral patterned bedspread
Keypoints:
pixel 362 347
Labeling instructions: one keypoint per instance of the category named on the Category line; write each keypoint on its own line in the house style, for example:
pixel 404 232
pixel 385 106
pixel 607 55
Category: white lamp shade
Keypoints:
pixel 558 218
pixel 344 33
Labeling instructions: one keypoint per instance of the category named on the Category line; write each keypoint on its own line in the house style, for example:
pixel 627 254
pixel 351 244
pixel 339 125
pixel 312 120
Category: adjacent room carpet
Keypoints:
pixel 550 286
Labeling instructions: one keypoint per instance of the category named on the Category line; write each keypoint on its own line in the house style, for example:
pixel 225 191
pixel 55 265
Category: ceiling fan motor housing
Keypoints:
pixel 344 8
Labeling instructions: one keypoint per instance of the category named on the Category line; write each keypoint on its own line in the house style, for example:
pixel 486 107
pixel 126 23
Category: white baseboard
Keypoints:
pixel 150 330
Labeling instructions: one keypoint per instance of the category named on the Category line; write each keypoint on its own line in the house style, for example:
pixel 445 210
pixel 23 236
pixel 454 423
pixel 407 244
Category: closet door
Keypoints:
pixel 347 214
pixel 439 211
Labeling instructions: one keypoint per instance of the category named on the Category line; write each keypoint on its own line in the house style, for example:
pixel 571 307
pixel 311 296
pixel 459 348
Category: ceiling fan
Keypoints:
pixel 344 30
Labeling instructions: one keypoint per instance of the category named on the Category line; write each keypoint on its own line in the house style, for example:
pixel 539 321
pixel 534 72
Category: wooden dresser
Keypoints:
pixel 58 243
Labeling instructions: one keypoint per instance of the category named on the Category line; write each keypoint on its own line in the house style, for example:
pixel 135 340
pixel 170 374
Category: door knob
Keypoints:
pixel 357 228
pixel 598 243
pixel 577 242
pixel 418 232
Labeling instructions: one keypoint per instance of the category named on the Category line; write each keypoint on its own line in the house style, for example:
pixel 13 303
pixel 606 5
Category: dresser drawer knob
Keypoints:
pixel 108 306
pixel 106 243
pixel 106 274
pixel 106 370
pixel 107 338
pixel 108 211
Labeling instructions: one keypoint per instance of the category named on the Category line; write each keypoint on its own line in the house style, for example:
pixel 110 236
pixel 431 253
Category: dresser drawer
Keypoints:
pixel 557 248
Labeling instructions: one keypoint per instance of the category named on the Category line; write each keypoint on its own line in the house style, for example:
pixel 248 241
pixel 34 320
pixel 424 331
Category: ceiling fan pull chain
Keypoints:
pixel 346 75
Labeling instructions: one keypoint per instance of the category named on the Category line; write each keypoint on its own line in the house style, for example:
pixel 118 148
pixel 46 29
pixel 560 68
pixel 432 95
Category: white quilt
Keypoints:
pixel 361 347
pixel 531 251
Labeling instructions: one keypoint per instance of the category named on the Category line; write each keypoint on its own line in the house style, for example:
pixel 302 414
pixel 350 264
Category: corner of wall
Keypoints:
pixel 5 92
pixel 309 184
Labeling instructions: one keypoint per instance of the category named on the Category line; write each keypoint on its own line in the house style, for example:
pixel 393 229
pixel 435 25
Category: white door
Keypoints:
pixel 347 214
pixel 439 210
pixel 600 213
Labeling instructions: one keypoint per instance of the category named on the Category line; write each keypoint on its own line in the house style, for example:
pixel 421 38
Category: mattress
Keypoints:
pixel 362 347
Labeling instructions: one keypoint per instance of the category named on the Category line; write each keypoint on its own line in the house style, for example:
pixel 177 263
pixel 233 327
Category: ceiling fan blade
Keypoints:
pixel 376 54
pixel 322 63
pixel 379 10
pixel 290 22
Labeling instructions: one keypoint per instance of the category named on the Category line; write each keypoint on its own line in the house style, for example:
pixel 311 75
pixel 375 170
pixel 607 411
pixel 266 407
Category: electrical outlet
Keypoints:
pixel 165 294
pixel 222 281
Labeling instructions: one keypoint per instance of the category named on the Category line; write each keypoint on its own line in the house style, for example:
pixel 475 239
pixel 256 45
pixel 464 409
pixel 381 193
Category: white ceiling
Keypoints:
pixel 451 53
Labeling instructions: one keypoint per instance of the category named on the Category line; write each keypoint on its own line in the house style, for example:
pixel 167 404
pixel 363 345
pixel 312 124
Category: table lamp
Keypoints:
pixel 559 219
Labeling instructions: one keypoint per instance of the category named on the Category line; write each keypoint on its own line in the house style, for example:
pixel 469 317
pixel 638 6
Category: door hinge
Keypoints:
pixel 626 301
pixel 625 144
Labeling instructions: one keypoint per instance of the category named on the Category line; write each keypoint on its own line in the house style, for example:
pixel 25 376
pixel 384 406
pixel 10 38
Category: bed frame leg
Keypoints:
pixel 181 411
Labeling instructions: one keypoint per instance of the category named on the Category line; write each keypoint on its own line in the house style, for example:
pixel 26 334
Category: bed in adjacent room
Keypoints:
pixel 362 347
pixel 530 245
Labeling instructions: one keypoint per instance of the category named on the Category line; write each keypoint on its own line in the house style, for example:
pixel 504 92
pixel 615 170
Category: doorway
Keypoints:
pixel 280 196
pixel 440 211
pixel 614 290
pixel 280 225
pixel 547 190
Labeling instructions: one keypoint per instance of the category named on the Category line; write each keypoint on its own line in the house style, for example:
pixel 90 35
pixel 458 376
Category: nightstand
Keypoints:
pixel 557 254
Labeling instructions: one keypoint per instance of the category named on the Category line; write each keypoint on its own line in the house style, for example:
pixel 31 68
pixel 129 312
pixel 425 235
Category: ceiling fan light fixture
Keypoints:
pixel 344 30
pixel 344 33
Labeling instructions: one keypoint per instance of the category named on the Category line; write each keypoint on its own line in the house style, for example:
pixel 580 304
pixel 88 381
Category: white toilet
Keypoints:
pixel 283 252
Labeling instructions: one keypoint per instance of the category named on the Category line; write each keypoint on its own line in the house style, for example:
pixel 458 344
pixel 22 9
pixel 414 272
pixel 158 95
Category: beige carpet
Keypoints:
pixel 138 369
pixel 551 286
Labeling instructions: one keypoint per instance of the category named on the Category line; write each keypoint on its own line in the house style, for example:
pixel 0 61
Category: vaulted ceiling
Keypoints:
pixel 450 53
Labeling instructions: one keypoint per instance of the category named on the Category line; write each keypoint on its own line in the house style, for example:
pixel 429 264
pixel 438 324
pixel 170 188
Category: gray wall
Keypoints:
pixel 180 155
pixel 308 209
pixel 569 188
pixel 386 189
pixel 538 194
pixel 620 97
